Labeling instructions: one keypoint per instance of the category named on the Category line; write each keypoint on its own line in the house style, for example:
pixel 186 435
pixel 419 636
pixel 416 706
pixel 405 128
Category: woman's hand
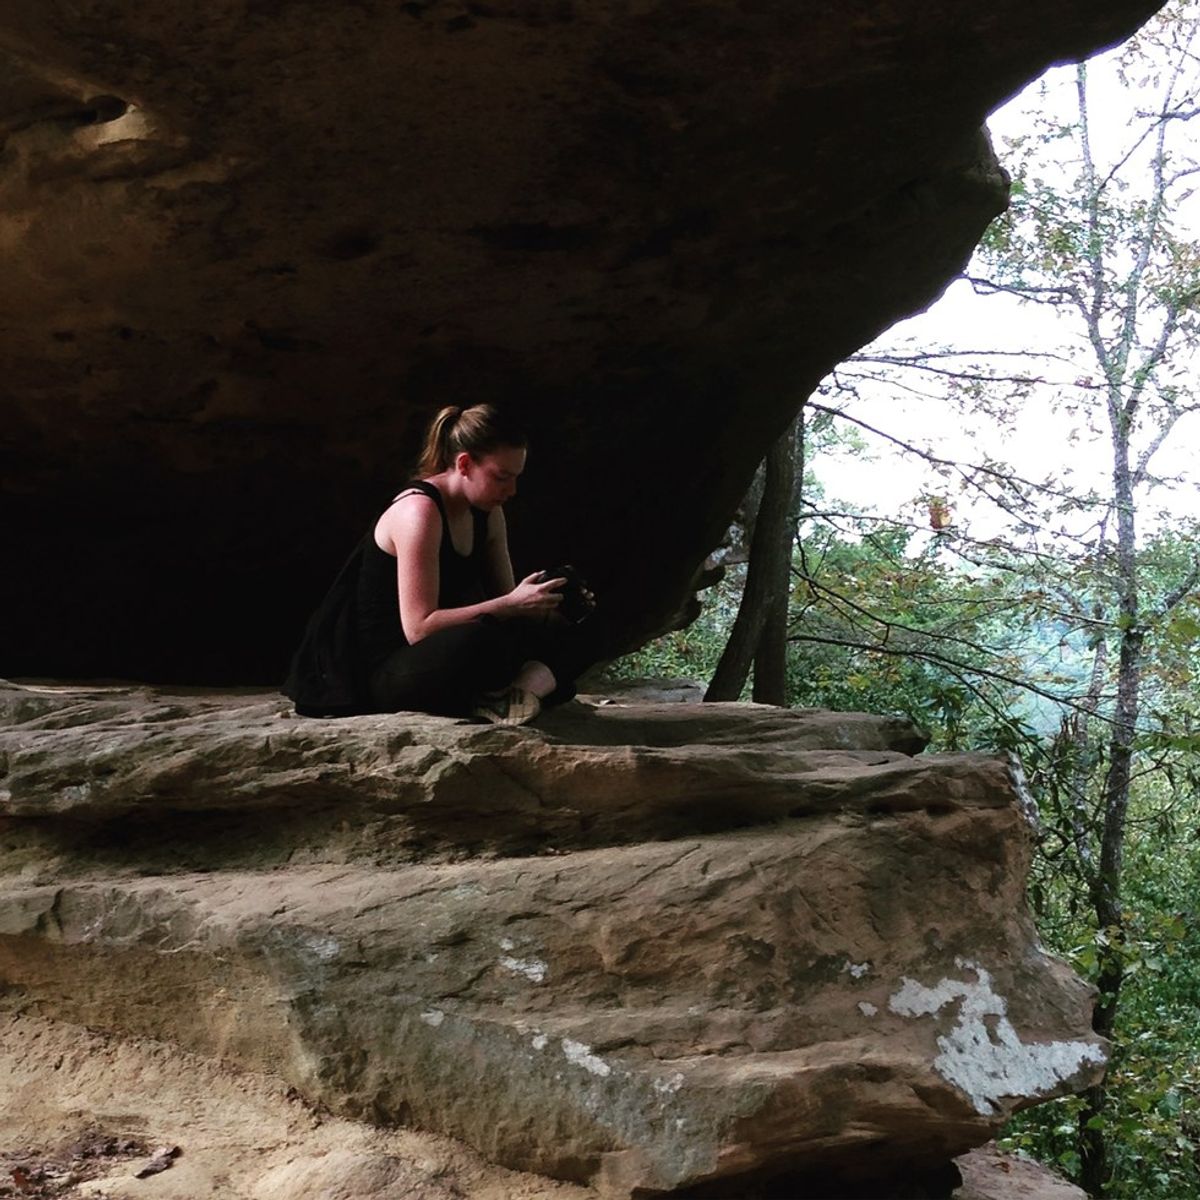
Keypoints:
pixel 534 597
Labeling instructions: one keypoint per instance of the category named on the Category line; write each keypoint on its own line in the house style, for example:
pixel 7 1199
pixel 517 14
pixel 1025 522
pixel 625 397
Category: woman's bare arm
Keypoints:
pixel 413 532
pixel 499 563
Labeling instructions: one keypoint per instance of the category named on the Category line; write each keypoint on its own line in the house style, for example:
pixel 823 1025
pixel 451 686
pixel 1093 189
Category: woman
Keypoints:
pixel 426 614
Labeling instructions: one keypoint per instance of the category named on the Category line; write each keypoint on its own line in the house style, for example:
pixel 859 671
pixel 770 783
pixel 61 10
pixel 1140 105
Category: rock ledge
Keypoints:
pixel 643 947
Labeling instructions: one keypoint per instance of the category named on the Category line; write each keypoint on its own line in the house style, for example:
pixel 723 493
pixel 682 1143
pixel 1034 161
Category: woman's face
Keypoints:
pixel 491 479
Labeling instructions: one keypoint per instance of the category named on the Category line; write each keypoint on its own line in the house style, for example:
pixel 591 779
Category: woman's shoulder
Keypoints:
pixel 423 495
pixel 420 487
pixel 415 512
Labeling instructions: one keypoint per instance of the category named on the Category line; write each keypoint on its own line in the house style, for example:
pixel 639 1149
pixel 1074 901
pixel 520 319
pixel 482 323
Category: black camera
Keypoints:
pixel 577 602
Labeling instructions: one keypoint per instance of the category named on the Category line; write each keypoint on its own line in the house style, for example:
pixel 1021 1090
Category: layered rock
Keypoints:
pixel 249 248
pixel 648 947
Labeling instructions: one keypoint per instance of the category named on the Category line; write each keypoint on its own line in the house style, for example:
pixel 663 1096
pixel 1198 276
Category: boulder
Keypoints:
pixel 250 248
pixel 990 1174
pixel 644 948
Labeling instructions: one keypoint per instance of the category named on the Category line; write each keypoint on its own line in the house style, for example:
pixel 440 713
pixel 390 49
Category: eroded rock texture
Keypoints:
pixel 249 247
pixel 647 947
pixel 78 1103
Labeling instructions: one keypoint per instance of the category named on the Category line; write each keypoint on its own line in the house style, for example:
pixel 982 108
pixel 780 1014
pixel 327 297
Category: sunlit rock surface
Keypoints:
pixel 645 947
pixel 249 248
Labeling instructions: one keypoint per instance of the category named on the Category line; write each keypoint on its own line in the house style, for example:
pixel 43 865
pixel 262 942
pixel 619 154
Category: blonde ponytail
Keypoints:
pixel 477 430
pixel 435 453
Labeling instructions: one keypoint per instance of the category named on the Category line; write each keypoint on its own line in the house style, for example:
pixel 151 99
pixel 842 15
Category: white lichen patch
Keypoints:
pixel 983 1054
pixel 669 1086
pixel 856 970
pixel 433 1017
pixel 866 1008
pixel 532 968
pixel 539 1041
pixel 325 948
pixel 582 1056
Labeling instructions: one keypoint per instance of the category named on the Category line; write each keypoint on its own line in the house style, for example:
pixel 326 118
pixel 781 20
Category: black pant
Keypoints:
pixel 447 671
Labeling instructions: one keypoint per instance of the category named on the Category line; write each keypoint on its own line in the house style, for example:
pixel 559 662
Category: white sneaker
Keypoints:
pixel 513 706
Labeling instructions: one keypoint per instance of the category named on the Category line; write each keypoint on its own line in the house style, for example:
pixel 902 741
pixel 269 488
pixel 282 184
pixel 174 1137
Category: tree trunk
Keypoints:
pixel 767 581
pixel 770 659
pixel 1095 1168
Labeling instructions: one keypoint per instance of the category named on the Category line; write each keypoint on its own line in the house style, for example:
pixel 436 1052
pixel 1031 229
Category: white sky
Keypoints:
pixel 1041 444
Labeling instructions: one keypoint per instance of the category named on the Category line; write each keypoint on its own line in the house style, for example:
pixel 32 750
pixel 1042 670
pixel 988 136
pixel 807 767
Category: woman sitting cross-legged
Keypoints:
pixel 426 615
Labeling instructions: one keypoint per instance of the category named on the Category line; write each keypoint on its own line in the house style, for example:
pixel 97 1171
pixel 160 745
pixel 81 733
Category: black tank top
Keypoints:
pixel 461 581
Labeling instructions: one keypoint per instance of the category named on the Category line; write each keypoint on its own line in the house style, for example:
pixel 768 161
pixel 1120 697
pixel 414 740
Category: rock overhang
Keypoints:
pixel 254 246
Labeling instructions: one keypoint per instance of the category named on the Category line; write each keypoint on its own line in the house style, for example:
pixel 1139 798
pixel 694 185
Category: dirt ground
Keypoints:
pixel 81 1114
